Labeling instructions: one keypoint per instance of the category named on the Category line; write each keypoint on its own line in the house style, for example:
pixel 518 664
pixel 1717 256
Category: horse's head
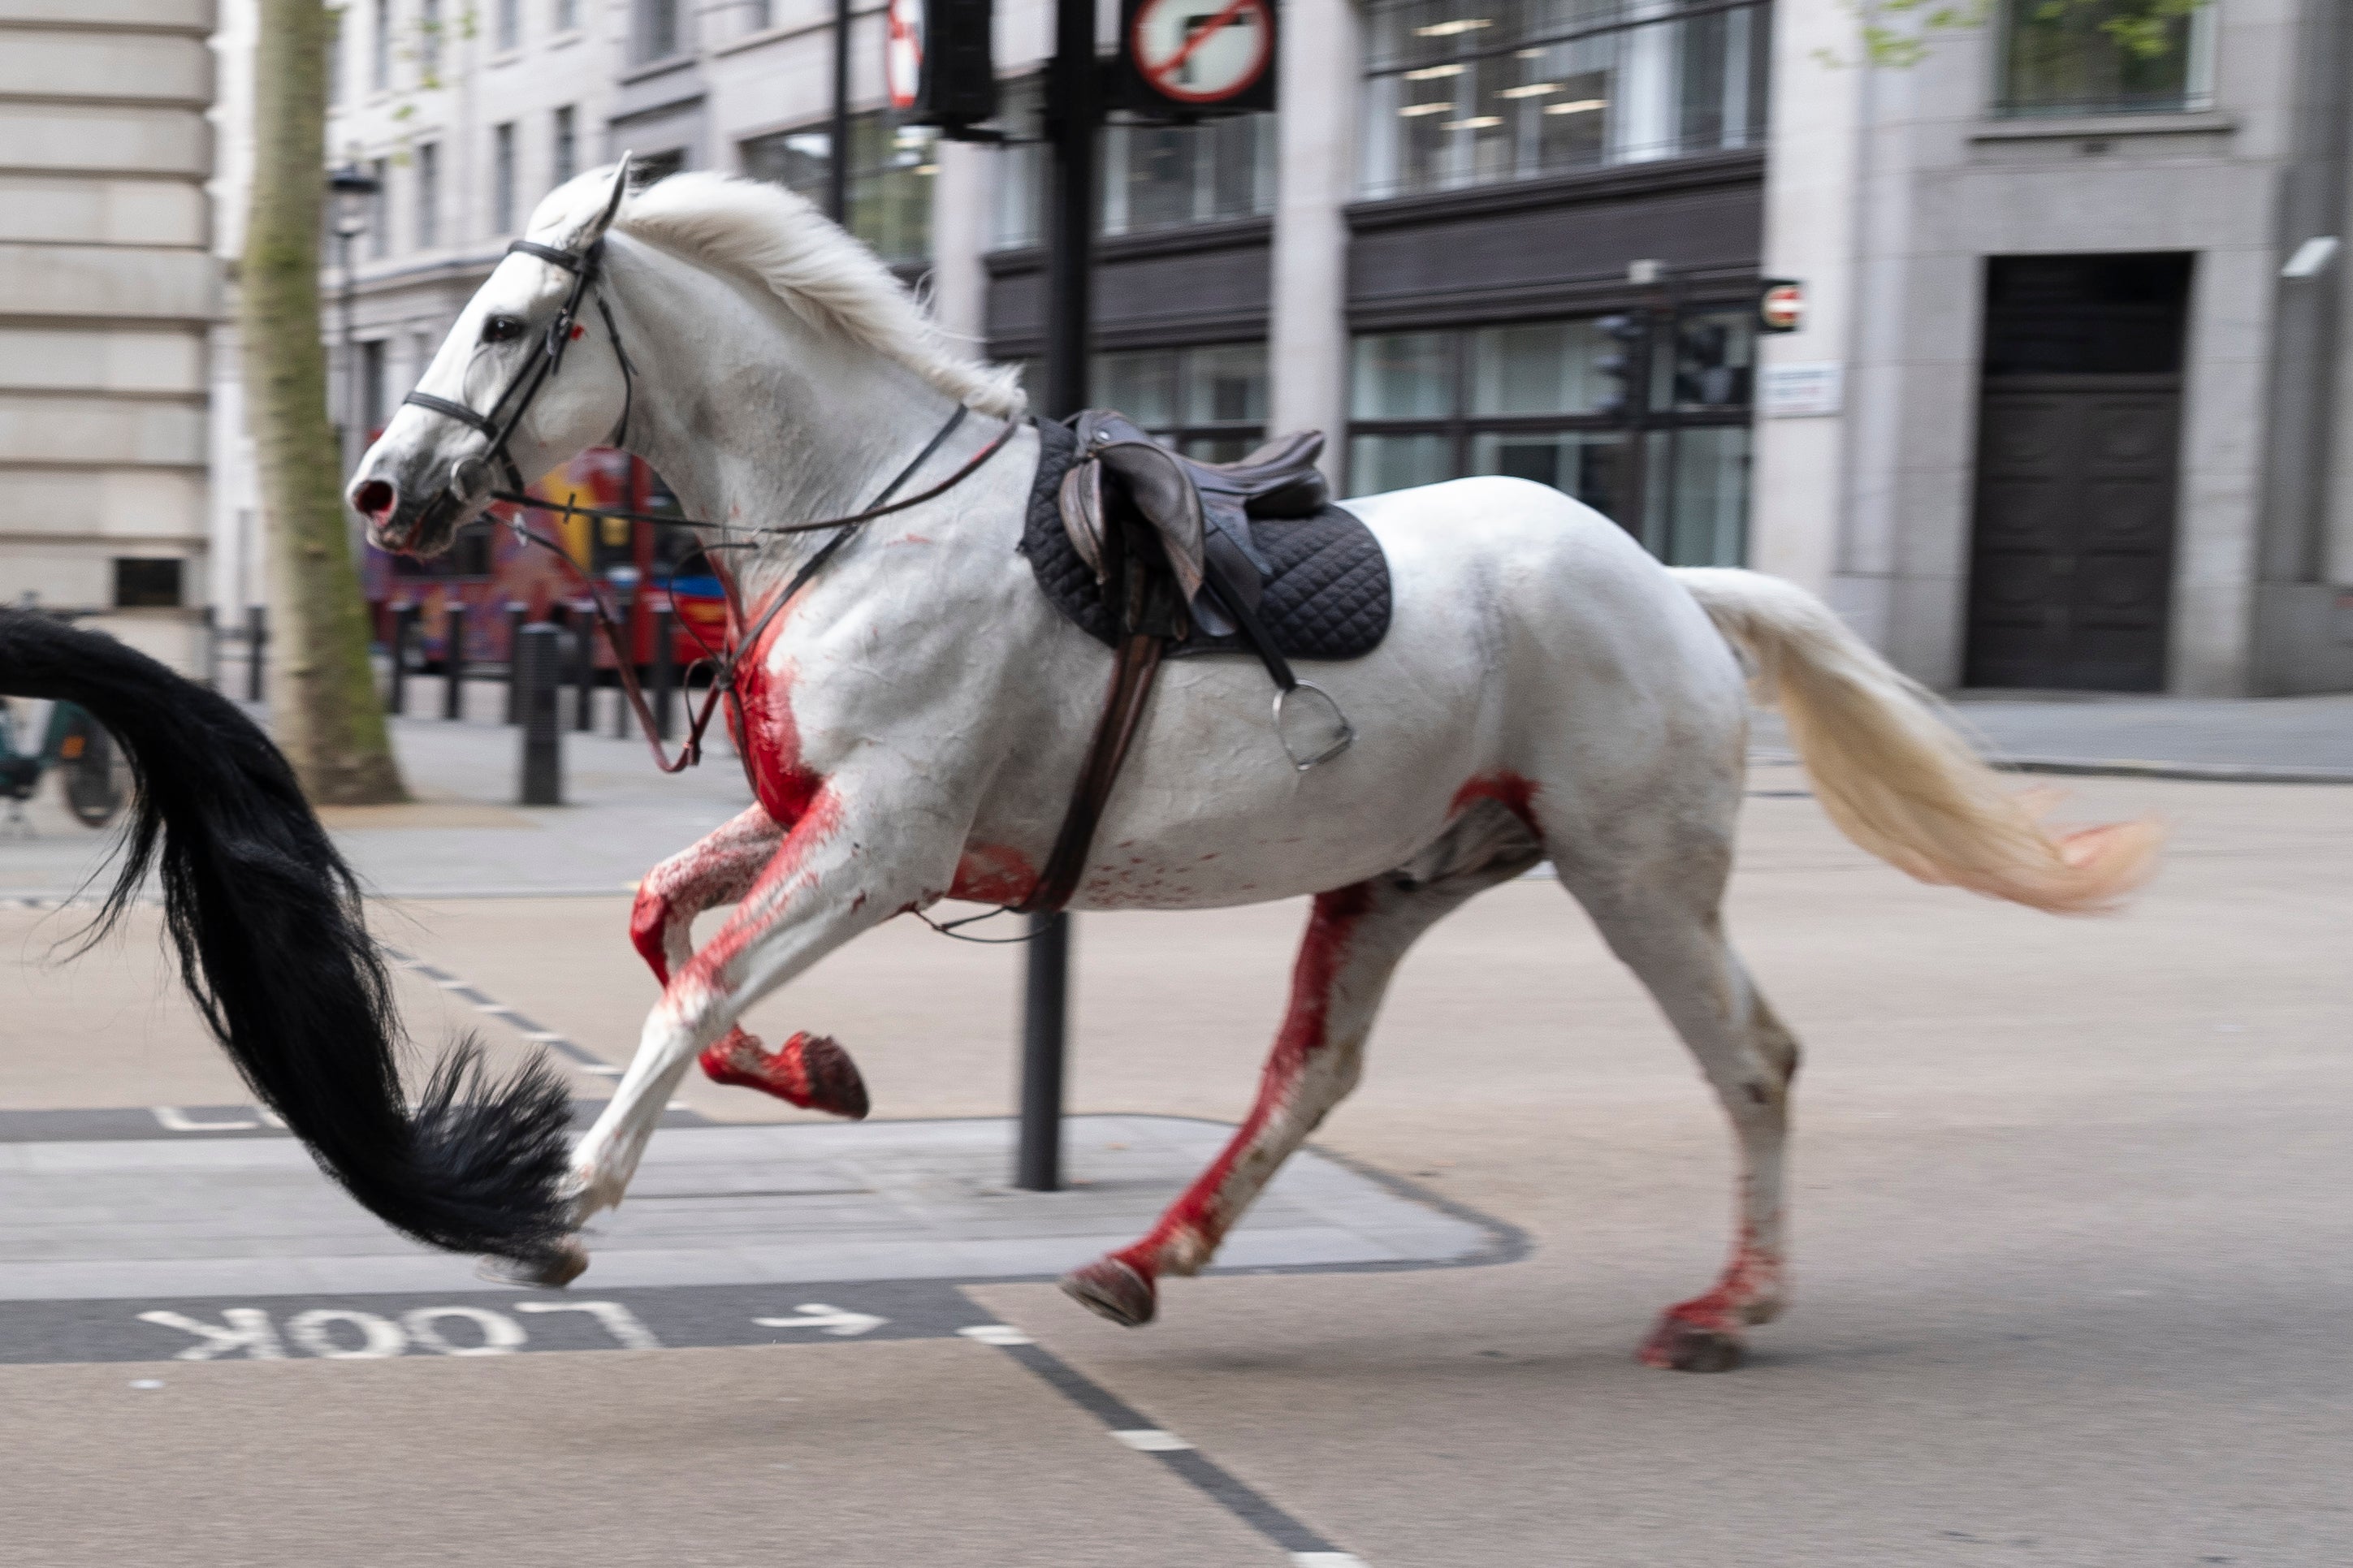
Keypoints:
pixel 513 362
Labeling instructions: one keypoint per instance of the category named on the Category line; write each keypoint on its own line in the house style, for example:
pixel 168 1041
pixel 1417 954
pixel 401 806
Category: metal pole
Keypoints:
pixel 836 166
pixel 627 609
pixel 256 642
pixel 539 665
pixel 403 618
pixel 665 666
pixel 354 409
pixel 580 623
pixel 453 661
pixel 1073 114
pixel 516 614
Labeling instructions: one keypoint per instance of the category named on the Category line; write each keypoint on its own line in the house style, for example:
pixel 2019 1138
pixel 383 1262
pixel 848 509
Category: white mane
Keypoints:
pixel 820 272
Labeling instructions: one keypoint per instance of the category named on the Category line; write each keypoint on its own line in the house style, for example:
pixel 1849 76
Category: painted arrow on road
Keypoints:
pixel 832 1320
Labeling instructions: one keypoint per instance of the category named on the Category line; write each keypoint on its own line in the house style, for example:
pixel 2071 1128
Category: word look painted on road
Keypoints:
pixel 343 1333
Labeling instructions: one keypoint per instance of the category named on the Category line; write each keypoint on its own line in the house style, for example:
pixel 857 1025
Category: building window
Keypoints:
pixel 653 168
pixel 567 144
pixel 889 187
pixel 372 387
pixel 2107 57
pixel 1208 402
pixel 379 209
pixel 1475 92
pixel 429 44
pixel 428 194
pixel 147 585
pixel 655 33
pixel 380 47
pixel 502 179
pixel 1644 416
pixel 1154 176
pixel 508 33
pixel 334 59
pixel 567 16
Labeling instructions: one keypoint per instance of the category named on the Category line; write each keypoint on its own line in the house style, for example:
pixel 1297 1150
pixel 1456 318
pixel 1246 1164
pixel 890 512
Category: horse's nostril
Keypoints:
pixel 375 498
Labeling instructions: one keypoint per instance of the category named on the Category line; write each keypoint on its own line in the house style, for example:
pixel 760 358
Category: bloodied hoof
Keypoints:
pixel 1678 1345
pixel 1111 1289
pixel 808 1070
pixel 551 1270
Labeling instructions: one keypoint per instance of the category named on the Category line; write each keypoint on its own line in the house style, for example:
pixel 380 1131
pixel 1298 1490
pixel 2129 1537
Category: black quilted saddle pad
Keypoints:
pixel 1326 595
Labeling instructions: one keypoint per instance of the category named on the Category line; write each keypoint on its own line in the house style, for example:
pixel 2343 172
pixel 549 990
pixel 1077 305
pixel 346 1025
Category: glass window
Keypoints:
pixel 890 185
pixel 334 59
pixel 1642 415
pixel 502 178
pixel 428 43
pixel 1208 402
pixel 655 36
pixel 1154 176
pixel 379 209
pixel 2105 56
pixel 428 194
pixel 508 31
pixel 568 144
pixel 1471 93
pixel 380 47
pixel 567 16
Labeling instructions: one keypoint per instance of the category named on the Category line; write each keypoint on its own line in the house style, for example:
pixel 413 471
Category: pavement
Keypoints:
pixel 2072 1249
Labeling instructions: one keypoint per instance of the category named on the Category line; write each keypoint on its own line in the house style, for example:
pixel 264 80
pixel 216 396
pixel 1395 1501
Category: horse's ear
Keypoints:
pixel 594 230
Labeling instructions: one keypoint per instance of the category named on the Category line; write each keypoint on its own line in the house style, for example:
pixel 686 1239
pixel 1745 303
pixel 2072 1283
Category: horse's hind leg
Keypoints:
pixel 1355 938
pixel 1664 921
pixel 808 1070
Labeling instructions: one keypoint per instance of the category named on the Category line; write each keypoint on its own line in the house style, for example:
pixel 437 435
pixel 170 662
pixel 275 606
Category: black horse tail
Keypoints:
pixel 273 946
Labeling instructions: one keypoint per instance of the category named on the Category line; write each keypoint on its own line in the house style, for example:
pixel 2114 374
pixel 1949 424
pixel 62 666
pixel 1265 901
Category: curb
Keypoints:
pixel 2130 767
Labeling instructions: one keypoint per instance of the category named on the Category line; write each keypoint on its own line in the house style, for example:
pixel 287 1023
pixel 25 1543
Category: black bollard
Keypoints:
pixel 582 627
pixel 257 638
pixel 212 649
pixel 453 662
pixel 539 668
pixel 404 618
pixel 516 614
pixel 625 609
pixel 665 668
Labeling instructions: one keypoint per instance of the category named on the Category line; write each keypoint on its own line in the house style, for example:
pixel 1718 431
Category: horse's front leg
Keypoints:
pixel 808 1070
pixel 849 863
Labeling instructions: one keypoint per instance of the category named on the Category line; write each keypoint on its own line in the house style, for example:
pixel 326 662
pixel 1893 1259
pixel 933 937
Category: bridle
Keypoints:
pixel 499 427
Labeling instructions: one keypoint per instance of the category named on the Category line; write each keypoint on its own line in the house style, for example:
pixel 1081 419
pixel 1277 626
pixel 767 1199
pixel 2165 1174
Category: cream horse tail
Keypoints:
pixel 1893 774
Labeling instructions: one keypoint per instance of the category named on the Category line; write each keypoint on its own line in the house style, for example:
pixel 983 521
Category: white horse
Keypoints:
pixel 917 715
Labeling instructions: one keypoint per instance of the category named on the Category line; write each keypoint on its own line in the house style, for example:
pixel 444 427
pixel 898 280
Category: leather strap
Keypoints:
pixel 1134 665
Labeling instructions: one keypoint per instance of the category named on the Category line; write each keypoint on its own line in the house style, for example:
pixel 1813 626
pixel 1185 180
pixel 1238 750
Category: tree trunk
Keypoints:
pixel 322 699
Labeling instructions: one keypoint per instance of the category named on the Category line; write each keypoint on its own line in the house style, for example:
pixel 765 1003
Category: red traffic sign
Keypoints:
pixel 1781 306
pixel 1201 53
pixel 902 53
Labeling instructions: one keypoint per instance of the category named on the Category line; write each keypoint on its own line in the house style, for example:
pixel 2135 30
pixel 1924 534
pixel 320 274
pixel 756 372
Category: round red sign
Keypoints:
pixel 902 53
pixel 1783 306
pixel 1202 51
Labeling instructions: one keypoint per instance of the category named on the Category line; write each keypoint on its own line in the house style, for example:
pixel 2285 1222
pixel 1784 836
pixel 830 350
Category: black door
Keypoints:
pixel 2078 454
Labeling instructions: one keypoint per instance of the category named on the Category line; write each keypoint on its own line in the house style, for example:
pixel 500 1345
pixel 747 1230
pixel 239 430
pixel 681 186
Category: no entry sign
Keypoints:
pixel 1187 57
pixel 902 53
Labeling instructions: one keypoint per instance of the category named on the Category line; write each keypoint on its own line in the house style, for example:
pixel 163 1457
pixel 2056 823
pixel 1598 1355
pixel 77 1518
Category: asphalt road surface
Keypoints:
pixel 2073 1255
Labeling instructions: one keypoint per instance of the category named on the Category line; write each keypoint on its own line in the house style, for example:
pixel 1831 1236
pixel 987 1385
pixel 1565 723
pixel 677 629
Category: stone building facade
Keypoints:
pixel 108 291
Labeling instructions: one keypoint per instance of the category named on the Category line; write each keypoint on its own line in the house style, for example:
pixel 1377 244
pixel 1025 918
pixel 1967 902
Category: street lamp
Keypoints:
pixel 354 191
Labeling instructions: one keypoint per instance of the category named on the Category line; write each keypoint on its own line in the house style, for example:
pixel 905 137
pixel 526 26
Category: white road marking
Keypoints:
pixel 499 1008
pixel 502 1335
pixel 1152 1440
pixel 146 1383
pixel 544 1036
pixel 381 1339
pixel 997 1335
pixel 1327 1560
pixel 174 1120
pixel 249 1330
pixel 832 1320
pixel 617 1320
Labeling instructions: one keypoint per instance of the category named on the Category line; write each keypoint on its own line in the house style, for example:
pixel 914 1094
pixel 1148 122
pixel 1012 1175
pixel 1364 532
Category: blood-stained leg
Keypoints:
pixel 808 1070
pixel 1668 929
pixel 1355 938
pixel 827 881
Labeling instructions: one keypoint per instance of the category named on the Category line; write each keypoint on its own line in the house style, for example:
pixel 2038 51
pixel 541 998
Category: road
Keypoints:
pixel 2072 1256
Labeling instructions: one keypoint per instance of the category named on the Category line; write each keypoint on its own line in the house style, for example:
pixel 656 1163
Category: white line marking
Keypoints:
pixel 174 1120
pixel 546 1036
pixel 450 985
pixel 997 1335
pixel 1152 1440
pixel 499 1007
pixel 832 1320
pixel 1327 1560
pixel 146 1383
pixel 618 1320
pixel 601 1070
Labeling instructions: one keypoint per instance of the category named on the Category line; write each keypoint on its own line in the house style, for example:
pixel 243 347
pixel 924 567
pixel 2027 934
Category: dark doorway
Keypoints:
pixel 2079 448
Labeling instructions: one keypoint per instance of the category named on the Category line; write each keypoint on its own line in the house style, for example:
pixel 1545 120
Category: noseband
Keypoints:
pixel 526 383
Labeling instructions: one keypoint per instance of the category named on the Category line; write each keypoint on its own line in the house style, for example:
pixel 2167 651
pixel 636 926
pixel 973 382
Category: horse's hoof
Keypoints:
pixel 808 1070
pixel 551 1270
pixel 1677 1344
pixel 1111 1289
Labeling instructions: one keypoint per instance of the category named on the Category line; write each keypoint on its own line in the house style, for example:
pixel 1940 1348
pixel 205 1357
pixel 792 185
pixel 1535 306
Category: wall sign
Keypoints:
pixel 1805 391
pixel 1191 57
pixel 1781 305
pixel 903 52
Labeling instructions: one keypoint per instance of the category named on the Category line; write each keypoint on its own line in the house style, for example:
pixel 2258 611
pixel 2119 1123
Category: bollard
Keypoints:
pixel 516 614
pixel 539 668
pixel 626 611
pixel 582 627
pixel 453 662
pixel 212 649
pixel 403 618
pixel 257 638
pixel 665 668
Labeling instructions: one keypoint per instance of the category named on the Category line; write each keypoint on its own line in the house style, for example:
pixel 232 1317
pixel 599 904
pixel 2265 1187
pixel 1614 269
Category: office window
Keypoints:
pixel 372 387
pixel 568 144
pixel 380 46
pixel 1208 402
pixel 1475 92
pixel 1154 176
pixel 428 43
pixel 654 30
pixel 1644 416
pixel 147 585
pixel 379 209
pixel 502 179
pixel 428 194
pixel 2105 56
pixel 889 187
pixel 507 31
pixel 567 16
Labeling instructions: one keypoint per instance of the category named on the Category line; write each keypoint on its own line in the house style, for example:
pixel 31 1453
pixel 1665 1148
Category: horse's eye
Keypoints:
pixel 501 329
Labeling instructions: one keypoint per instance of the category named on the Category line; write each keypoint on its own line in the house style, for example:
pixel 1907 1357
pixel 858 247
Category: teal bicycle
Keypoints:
pixel 76 746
